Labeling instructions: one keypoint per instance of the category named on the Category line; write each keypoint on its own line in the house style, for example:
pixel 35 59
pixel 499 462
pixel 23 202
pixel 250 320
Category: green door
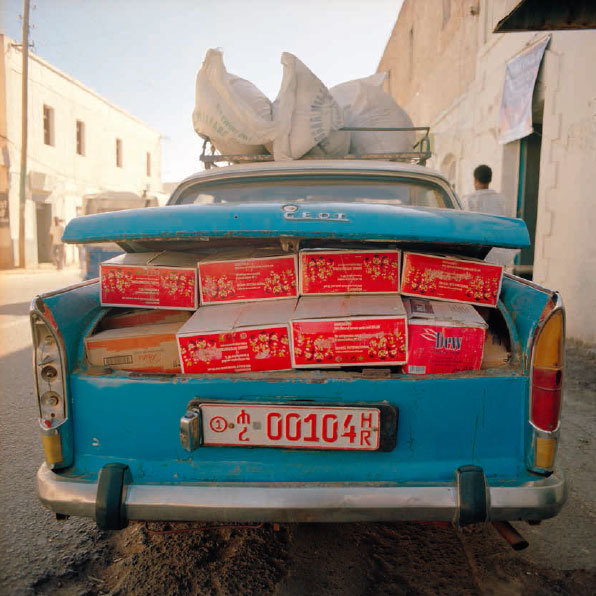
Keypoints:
pixel 527 196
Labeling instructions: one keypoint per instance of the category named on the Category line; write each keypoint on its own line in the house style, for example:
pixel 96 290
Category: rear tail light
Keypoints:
pixel 49 374
pixel 546 388
pixel 547 373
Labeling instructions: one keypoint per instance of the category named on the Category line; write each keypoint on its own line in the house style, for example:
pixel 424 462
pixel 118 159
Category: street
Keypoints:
pixel 40 555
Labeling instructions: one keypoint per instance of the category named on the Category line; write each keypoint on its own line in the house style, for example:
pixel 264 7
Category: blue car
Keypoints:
pixel 462 447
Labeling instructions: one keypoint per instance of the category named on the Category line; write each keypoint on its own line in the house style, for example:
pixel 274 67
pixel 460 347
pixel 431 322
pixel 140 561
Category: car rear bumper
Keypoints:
pixel 301 502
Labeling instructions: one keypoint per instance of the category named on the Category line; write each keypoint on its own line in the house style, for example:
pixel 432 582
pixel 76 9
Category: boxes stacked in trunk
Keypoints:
pixel 334 331
pixel 255 310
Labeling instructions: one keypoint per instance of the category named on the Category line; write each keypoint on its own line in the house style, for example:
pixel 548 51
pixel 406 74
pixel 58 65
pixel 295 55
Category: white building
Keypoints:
pixel 447 69
pixel 78 143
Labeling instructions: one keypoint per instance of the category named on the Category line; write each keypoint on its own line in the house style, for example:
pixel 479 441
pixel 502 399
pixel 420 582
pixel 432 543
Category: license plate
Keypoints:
pixel 295 427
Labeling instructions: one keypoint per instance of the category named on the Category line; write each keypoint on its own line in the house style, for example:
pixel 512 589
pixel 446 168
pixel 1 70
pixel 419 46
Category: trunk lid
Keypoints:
pixel 337 221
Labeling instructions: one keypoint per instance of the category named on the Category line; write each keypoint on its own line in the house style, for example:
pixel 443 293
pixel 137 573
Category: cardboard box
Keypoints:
pixel 443 337
pixel 235 338
pixel 448 278
pixel 324 272
pixel 243 276
pixel 119 320
pixel 335 331
pixel 159 280
pixel 148 348
pixel 495 352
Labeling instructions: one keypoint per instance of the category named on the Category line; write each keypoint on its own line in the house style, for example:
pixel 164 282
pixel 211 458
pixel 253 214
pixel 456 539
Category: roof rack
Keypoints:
pixel 419 155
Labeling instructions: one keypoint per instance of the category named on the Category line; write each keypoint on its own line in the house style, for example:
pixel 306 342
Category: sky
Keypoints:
pixel 143 55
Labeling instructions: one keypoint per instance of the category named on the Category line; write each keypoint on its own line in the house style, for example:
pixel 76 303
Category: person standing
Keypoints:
pixel 56 231
pixel 484 199
pixel 487 200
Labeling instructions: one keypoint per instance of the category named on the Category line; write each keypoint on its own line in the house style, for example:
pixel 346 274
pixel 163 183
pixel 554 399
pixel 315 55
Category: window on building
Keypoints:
pixel 80 137
pixel 118 153
pixel 148 164
pixel 411 51
pixel 48 125
pixel 446 12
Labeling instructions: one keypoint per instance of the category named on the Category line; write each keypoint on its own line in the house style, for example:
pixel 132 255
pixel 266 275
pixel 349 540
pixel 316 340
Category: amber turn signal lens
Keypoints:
pixel 544 454
pixel 548 352
pixel 52 448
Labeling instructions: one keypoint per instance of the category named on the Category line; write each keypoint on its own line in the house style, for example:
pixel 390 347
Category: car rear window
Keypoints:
pixel 357 189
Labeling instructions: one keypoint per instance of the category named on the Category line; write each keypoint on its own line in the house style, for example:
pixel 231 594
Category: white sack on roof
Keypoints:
pixel 366 104
pixel 306 114
pixel 231 111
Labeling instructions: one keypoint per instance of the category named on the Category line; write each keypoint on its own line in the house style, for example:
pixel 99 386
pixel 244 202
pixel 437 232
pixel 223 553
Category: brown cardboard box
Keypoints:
pixel 335 331
pixel 147 348
pixel 495 351
pixel 159 280
pixel 134 318
pixel 233 338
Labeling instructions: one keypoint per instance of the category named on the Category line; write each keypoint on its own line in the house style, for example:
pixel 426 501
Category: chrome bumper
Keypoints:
pixel 300 502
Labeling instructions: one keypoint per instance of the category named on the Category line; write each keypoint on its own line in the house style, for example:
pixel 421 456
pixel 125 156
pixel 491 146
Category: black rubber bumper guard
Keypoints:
pixel 471 492
pixel 110 513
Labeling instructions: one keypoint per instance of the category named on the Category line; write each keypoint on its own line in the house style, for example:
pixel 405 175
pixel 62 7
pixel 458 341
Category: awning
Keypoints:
pixel 549 15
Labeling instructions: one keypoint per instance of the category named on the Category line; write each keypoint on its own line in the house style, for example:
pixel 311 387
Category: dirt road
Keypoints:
pixel 329 559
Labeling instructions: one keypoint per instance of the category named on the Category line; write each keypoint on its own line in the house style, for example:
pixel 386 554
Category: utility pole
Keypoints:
pixel 24 98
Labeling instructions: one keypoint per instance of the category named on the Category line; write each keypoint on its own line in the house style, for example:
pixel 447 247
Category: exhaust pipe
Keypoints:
pixel 511 535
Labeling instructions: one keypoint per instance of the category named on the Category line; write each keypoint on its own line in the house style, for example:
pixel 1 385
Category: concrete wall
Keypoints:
pixel 431 51
pixel 460 99
pixel 57 175
pixel 566 240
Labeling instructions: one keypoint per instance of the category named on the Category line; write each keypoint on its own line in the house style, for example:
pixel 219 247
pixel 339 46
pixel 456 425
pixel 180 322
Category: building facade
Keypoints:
pixel 447 69
pixel 78 144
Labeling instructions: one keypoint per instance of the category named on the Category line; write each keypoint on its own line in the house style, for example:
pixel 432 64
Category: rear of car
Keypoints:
pixel 346 444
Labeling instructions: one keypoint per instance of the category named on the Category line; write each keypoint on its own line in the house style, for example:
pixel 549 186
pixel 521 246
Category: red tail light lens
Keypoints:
pixel 547 373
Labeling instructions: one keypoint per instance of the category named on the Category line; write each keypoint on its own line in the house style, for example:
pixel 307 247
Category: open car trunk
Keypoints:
pixel 422 444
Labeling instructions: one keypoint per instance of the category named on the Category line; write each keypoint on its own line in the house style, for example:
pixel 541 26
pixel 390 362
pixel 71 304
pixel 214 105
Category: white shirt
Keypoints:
pixel 487 200
pixel 56 232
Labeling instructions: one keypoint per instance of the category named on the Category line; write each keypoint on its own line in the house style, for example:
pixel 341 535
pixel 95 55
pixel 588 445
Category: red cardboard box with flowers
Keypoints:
pixel 247 279
pixel 349 272
pixel 234 338
pixel 334 331
pixel 447 278
pixel 158 280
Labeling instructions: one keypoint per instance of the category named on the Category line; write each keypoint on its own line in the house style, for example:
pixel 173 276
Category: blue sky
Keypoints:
pixel 143 55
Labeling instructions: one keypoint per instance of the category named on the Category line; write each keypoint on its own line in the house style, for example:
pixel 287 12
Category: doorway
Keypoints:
pixel 527 196
pixel 43 212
